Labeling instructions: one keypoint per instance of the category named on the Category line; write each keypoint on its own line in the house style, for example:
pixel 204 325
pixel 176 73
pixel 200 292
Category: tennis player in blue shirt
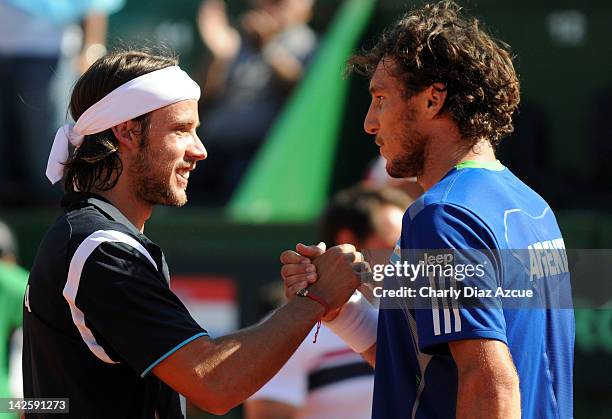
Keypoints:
pixel 443 95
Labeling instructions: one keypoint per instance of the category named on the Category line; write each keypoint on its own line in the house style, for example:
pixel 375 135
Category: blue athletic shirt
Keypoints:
pixel 479 206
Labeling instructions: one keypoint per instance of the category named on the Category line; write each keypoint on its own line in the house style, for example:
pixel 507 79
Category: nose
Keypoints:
pixel 370 124
pixel 197 151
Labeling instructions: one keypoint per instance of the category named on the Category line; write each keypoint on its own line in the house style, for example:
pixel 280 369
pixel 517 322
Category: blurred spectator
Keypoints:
pixel 83 43
pixel 13 281
pixel 31 34
pixel 327 379
pixel 8 245
pixel 252 72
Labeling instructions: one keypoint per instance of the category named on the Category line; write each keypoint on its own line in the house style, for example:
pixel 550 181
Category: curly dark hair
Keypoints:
pixel 96 164
pixel 438 44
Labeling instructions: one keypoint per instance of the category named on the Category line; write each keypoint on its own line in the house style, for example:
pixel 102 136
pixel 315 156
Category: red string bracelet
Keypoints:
pixel 305 293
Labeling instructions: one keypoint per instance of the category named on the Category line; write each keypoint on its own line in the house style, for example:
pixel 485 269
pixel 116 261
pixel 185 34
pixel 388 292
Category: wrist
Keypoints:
pixel 331 315
pixel 305 293
pixel 313 310
pixel 356 324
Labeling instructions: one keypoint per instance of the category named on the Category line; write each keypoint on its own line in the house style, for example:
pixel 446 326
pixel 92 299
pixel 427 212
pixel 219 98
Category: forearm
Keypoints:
pixel 492 395
pixel 95 28
pixel 94 39
pixel 214 81
pixel 287 69
pixel 218 374
pixel 246 360
pixel 356 325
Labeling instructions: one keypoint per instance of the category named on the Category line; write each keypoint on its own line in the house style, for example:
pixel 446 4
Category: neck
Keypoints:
pixel 445 152
pixel 126 201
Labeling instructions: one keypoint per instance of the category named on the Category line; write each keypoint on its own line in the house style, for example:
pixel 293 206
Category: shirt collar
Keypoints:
pixel 74 199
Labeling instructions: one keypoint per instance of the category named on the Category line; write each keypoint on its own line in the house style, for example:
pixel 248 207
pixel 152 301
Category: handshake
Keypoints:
pixel 330 275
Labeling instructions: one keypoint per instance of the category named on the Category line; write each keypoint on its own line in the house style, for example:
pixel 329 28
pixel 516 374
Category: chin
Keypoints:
pixel 174 197
pixel 408 166
pixel 396 173
pixel 179 198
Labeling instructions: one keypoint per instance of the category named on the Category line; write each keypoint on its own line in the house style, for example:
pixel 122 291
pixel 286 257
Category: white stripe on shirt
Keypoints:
pixel 85 249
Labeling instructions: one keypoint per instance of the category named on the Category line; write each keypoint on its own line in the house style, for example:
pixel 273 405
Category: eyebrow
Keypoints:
pixel 375 88
pixel 180 123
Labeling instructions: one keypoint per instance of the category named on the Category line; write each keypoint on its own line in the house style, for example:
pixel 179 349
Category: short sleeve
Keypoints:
pixel 461 303
pixel 129 312
pixel 290 384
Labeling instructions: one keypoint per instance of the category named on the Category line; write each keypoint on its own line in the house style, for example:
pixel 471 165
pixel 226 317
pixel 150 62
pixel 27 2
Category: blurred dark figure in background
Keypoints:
pixel 328 380
pixel 29 51
pixel 13 280
pixel 252 72
pixel 600 147
pixel 31 43
pixel 526 151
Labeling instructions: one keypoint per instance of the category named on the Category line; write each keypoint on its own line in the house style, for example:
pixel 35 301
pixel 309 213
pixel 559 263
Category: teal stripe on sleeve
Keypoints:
pixel 171 351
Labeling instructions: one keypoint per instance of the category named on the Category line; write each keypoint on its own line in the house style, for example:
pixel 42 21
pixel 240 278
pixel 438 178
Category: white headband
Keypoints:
pixel 137 97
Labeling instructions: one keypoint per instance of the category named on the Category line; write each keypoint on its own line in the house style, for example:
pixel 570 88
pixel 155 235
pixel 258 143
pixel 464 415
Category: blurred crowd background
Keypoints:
pixel 283 129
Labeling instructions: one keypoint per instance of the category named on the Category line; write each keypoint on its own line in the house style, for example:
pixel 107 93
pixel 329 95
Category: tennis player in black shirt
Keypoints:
pixel 101 326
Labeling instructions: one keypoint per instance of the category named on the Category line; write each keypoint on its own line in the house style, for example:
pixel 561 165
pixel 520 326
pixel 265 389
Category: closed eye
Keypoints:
pixel 184 127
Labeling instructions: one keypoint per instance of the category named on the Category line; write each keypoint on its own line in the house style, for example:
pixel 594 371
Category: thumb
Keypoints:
pixel 311 251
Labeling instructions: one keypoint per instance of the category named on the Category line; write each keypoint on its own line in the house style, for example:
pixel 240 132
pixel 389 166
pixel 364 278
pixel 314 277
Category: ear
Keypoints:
pixel 345 235
pixel 436 97
pixel 126 135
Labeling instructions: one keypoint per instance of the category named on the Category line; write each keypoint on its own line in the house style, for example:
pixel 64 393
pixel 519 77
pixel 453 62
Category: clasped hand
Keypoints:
pixel 332 275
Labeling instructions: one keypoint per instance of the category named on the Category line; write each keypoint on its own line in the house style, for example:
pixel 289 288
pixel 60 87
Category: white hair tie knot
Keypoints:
pixel 60 151
pixel 74 138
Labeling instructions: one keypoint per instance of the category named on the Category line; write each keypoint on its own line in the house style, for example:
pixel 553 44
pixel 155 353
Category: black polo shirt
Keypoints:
pixel 99 315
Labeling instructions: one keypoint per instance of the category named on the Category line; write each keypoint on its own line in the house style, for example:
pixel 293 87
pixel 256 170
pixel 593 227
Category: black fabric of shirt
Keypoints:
pixel 127 306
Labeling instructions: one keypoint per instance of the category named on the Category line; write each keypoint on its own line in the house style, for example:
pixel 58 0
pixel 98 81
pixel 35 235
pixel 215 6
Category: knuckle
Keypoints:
pixel 293 257
pixel 348 248
pixel 285 256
